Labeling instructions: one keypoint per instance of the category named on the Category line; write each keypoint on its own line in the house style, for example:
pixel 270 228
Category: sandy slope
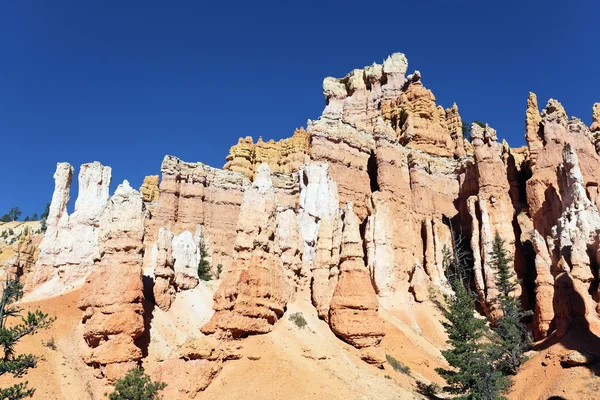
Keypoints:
pixel 60 373
pixel 294 363
pixel 542 376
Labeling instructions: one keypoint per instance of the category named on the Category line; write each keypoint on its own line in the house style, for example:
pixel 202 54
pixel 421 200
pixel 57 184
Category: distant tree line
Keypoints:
pixel 15 213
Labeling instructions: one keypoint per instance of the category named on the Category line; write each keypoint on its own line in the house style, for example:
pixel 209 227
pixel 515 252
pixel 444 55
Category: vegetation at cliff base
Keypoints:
pixel 136 385
pixel 514 339
pixel 481 358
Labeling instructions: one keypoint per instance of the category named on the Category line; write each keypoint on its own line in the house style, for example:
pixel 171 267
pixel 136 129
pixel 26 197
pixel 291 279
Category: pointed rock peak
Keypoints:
pixel 125 190
pixel 374 72
pixel 574 188
pixel 395 63
pixel 595 127
pixel 554 113
pixel 532 101
pixel 263 181
pixel 414 78
pixel 489 134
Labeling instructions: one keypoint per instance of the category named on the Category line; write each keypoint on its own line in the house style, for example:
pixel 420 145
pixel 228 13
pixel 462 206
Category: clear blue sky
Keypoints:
pixel 126 82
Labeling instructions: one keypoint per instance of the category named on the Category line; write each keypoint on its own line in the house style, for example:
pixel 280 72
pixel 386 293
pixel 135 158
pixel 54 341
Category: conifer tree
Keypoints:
pixel 10 362
pixel 473 374
pixel 515 340
pixel 204 272
pixel 136 385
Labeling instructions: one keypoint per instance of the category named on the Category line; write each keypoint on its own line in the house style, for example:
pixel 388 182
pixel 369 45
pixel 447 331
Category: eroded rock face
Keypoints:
pixel 70 246
pixel 418 122
pixel 149 189
pixel 491 211
pixel 164 272
pixel 280 221
pixel 251 298
pixel 285 156
pixel 353 311
pixel 193 194
pixel 320 227
pixel 112 296
pixel 192 367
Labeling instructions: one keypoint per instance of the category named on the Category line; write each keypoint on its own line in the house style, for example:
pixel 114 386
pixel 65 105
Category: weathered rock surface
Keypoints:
pixel 279 219
pixel 192 367
pixel 164 272
pixel 491 211
pixel 251 298
pixel 112 297
pixel 193 194
pixel 70 246
pixel 149 189
pixel 285 156
pixel 353 311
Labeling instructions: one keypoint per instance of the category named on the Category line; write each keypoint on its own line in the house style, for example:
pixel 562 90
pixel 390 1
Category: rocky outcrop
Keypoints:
pixel 112 297
pixel 251 298
pixel 491 211
pixel 284 156
pixel 418 122
pixel 149 189
pixel 23 261
pixel 164 272
pixel 353 311
pixel 533 129
pixel 595 126
pixel 193 194
pixel 543 197
pixel 320 228
pixel 70 246
pixel 192 367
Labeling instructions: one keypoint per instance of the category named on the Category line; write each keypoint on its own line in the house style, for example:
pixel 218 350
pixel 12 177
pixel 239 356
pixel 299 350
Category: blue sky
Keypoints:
pixel 126 82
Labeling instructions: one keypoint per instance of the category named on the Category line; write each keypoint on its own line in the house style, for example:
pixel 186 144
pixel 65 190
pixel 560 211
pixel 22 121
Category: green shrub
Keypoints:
pixel 397 365
pixel 298 319
pixel 388 377
pixel 136 386
pixel 428 390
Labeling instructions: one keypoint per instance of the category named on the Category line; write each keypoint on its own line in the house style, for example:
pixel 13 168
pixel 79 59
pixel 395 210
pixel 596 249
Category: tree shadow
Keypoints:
pixel 572 328
pixel 143 342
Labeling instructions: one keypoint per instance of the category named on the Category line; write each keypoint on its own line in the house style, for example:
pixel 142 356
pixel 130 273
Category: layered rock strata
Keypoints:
pixel 353 310
pixel 284 156
pixel 193 194
pixel 251 297
pixel 112 296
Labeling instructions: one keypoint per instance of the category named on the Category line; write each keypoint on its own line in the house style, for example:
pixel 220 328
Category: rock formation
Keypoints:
pixel 353 311
pixel 112 296
pixel 193 194
pixel 70 246
pixel 285 156
pixel 164 272
pixel 192 367
pixel 491 211
pixel 361 207
pixel 251 297
pixel 149 189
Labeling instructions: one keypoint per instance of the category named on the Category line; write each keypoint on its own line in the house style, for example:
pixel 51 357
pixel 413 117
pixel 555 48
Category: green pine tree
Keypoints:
pixel 471 355
pixel 136 386
pixel 204 272
pixel 17 365
pixel 515 340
